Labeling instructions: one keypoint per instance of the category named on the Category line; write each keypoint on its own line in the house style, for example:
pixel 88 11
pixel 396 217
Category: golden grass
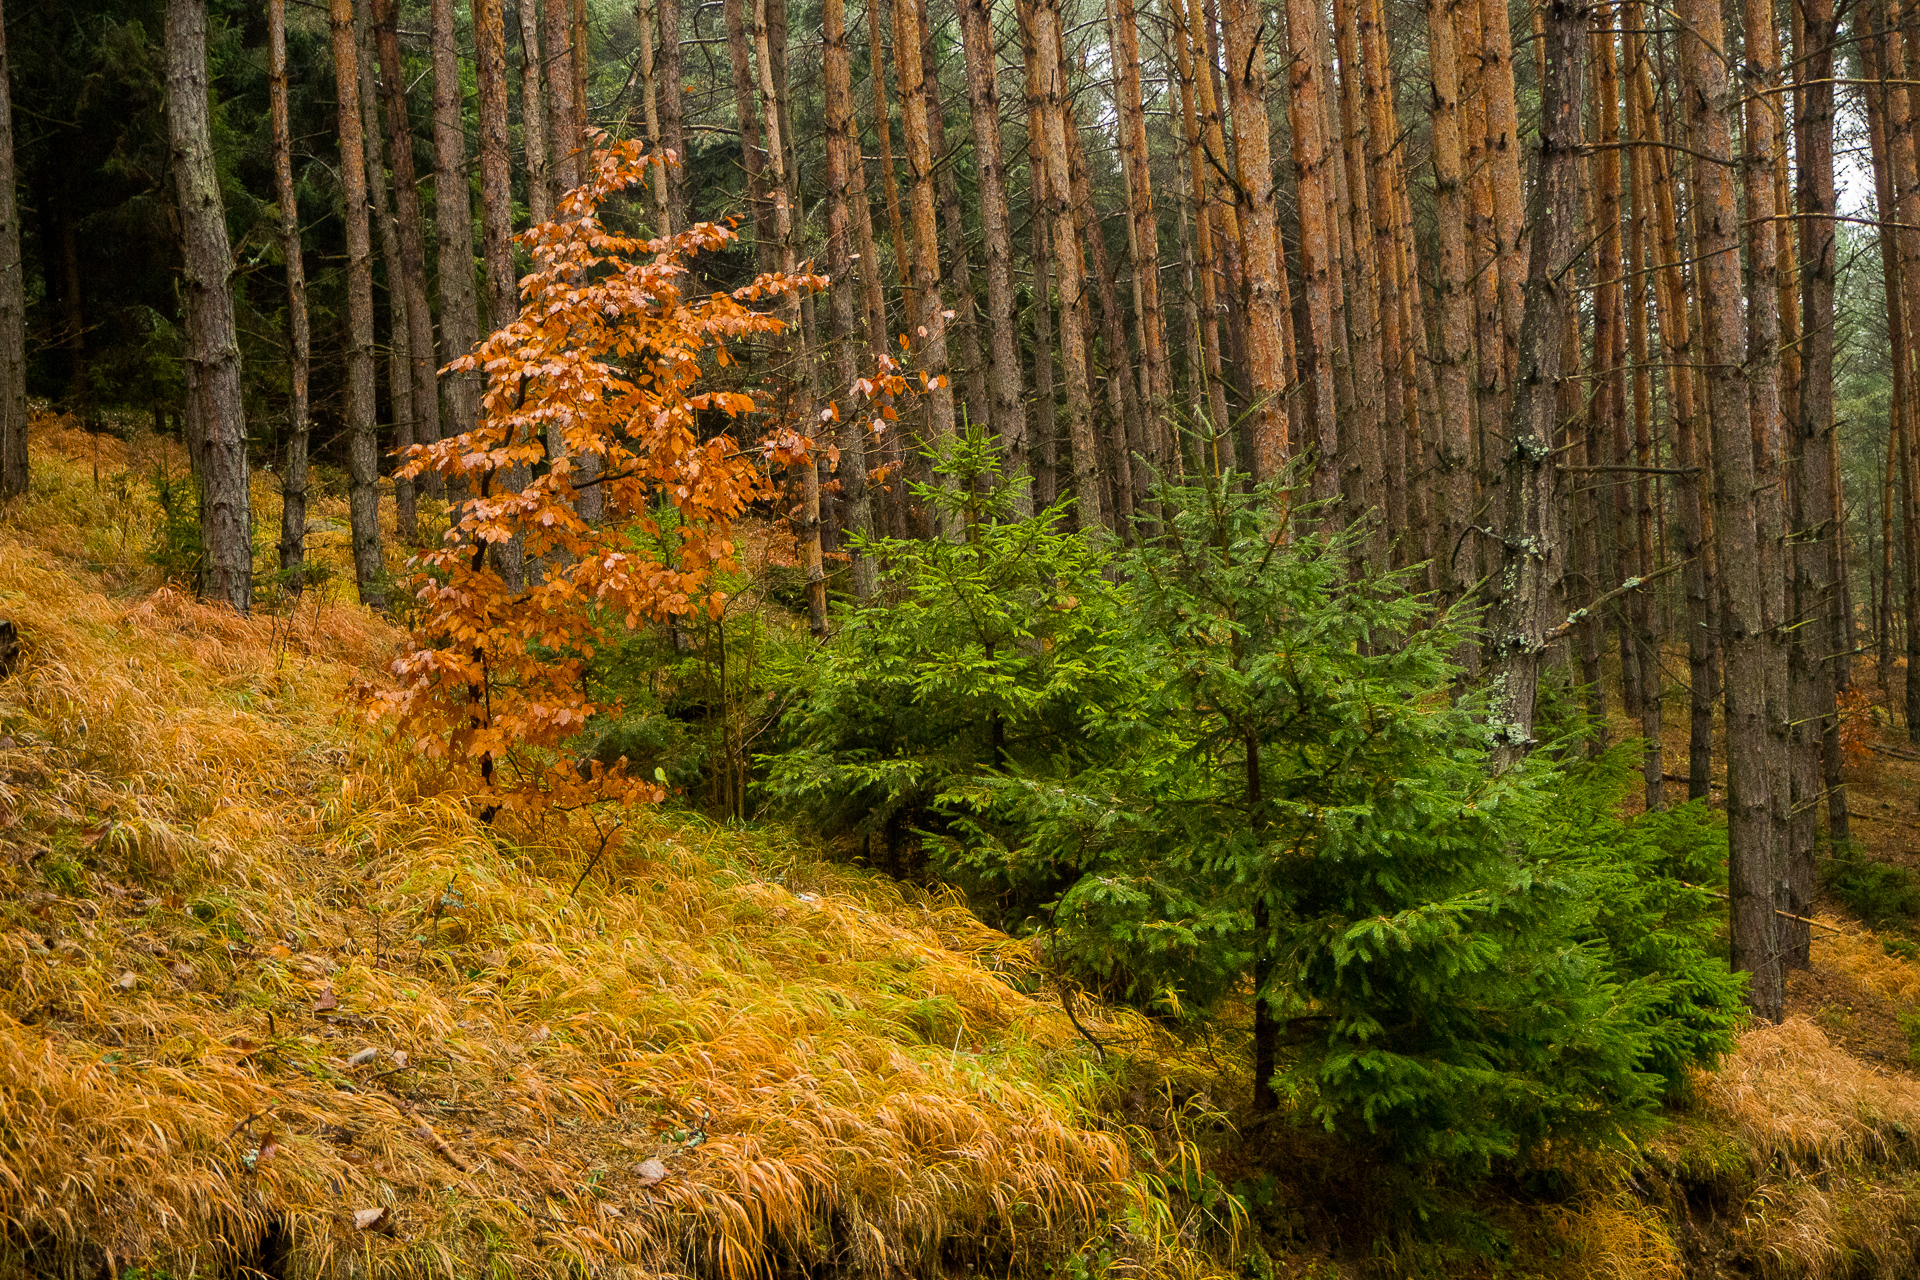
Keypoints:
pixel 1790 1095
pixel 259 975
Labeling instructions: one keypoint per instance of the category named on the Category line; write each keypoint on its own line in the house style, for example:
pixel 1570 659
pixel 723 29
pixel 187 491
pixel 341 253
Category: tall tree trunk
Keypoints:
pixel 217 426
pixel 673 115
pixel 1507 188
pixel 1900 61
pixel 293 480
pixel 1640 604
pixel 962 329
pixel 1318 239
pixel 1753 859
pixel 363 465
pixel 1820 543
pixel 1256 201
pixel 1006 415
pixel 794 374
pixel 412 283
pixel 1676 336
pixel 752 146
pixel 1042 429
pixel 399 345
pixel 533 113
pixel 453 209
pixel 1216 437
pixel 1122 402
pixel 1143 239
pixel 496 174
pixel 1610 346
pixel 1040 23
pixel 1362 439
pixel 1453 290
pixel 496 233
pixel 1769 452
pixel 1399 411
pixel 890 186
pixel 566 128
pixel 13 297
pixel 843 184
pixel 1530 531
pixel 930 325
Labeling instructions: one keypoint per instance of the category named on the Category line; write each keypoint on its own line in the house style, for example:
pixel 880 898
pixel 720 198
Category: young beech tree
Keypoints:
pixel 606 356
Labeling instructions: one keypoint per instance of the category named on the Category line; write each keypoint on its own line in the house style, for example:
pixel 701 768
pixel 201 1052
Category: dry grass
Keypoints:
pixel 1789 1095
pixel 258 974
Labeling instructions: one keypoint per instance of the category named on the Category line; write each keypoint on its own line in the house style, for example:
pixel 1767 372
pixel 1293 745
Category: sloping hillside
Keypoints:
pixel 272 997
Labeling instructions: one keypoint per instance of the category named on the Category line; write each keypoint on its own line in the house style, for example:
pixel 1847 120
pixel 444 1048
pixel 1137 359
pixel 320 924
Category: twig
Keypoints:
pixel 1714 893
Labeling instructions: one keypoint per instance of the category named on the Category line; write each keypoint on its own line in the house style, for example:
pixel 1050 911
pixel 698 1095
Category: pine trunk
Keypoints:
pixel 217 427
pixel 930 325
pixel 1006 416
pixel 1753 858
pixel 1531 538
pixel 1820 542
pixel 533 114
pixel 453 209
pixel 1453 290
pixel 413 249
pixel 363 463
pixel 1257 206
pixel 843 163
pixel 1046 86
pixel 293 478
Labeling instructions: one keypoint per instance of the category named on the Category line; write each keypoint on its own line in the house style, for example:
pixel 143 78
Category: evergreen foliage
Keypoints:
pixel 1226 760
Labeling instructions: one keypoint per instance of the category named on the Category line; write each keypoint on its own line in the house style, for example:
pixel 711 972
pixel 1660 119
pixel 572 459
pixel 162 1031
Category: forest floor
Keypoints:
pixel 273 1000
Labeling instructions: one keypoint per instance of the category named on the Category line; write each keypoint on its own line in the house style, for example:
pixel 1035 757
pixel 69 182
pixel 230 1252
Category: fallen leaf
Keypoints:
pixel 128 981
pixel 372 1219
pixel 327 1000
pixel 648 1172
pixel 363 1057
pixel 181 970
pixel 400 1058
pixel 279 952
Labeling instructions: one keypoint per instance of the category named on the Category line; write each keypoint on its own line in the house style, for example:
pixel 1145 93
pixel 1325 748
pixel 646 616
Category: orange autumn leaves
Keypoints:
pixel 602 485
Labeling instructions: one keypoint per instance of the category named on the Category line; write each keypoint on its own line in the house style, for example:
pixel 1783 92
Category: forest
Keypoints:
pixel 1084 638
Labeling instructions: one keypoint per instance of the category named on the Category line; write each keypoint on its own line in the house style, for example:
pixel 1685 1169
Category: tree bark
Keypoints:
pixel 1753 857
pixel 1318 240
pixel 1453 294
pixel 753 151
pixel 1819 543
pixel 1046 85
pixel 293 478
pixel 843 184
pixel 399 345
pixel 566 128
pixel 533 113
pixel 930 324
pixel 412 283
pixel 1216 437
pixel 1676 336
pixel 673 115
pixel 1143 238
pixel 1361 440
pixel 1530 533
pixel 453 209
pixel 363 464
pixel 217 426
pixel 1256 202
pixel 13 296
pixel 1006 416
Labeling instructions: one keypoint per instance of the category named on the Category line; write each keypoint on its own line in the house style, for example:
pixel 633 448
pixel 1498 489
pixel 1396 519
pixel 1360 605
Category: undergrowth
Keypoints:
pixel 271 990
pixel 272 998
